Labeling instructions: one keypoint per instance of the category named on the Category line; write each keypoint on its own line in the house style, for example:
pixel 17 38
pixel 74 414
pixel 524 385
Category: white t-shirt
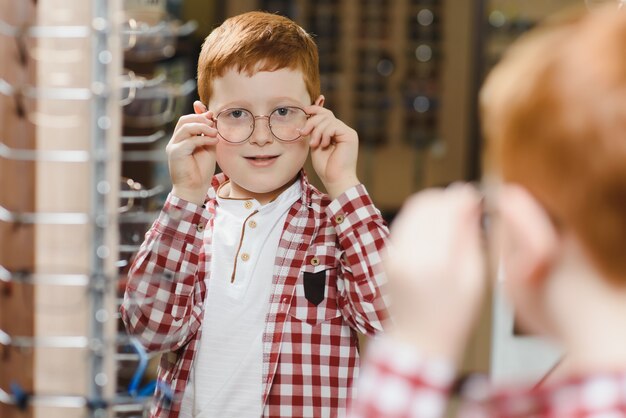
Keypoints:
pixel 227 378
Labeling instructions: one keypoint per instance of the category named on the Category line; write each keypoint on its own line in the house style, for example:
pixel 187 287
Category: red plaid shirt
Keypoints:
pixel 397 383
pixel 310 349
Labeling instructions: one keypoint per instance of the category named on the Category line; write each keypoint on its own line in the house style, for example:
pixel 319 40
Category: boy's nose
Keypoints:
pixel 262 133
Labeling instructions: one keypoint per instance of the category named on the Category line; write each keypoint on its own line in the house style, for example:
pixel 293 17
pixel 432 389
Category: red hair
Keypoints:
pixel 554 120
pixel 258 41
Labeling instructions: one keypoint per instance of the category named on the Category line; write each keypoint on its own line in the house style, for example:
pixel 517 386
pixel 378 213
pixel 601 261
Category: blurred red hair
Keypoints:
pixel 554 121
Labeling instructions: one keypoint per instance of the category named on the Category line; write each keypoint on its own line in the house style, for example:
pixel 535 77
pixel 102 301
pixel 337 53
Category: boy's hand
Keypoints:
pixel 436 270
pixel 191 155
pixel 334 150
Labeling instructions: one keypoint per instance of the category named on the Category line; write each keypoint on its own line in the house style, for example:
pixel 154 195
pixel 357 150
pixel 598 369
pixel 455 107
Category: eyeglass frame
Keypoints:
pixel 254 118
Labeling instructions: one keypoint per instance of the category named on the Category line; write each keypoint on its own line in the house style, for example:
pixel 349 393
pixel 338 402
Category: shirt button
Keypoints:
pixel 245 256
pixel 200 227
pixel 252 224
pixel 339 218
pixel 247 204
pixel 315 261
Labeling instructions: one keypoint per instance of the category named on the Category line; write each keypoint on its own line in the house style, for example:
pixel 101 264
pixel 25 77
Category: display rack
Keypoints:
pixel 59 166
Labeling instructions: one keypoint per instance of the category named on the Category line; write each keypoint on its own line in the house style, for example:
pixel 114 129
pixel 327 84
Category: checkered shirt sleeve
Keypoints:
pixel 362 236
pixel 396 382
pixel 598 395
pixel 160 307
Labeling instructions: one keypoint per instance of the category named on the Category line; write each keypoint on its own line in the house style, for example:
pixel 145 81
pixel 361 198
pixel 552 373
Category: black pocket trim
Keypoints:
pixel 314 286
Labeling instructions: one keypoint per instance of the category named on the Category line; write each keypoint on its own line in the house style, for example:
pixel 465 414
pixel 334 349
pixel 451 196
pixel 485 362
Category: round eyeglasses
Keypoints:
pixel 236 125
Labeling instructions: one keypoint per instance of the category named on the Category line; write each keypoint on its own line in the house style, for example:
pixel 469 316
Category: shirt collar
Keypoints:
pixel 305 188
pixel 243 206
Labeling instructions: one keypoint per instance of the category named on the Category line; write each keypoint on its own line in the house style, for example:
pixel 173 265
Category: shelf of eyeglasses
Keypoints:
pixel 75 218
pixel 138 403
pixel 157 106
pixel 78 342
pixel 148 43
pixel 147 103
pixel 141 41
pixel 86 285
pixel 81 280
pixel 133 399
pixel 119 404
pixel 99 344
pixel 83 156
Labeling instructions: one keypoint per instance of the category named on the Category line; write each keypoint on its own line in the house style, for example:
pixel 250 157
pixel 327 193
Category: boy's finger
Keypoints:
pixel 204 118
pixel 193 129
pixel 199 107
pixel 189 145
pixel 308 127
pixel 311 109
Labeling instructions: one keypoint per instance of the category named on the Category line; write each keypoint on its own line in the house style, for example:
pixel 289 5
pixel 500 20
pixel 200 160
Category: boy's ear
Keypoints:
pixel 320 100
pixel 528 239
pixel 199 107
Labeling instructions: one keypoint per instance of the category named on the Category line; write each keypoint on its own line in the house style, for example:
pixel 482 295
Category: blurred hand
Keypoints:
pixel 191 155
pixel 334 150
pixel 436 270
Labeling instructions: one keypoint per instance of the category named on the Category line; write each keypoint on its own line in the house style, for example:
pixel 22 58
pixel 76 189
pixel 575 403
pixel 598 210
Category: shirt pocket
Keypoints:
pixel 315 295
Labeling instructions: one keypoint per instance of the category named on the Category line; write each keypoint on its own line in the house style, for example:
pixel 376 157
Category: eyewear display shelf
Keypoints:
pixel 59 175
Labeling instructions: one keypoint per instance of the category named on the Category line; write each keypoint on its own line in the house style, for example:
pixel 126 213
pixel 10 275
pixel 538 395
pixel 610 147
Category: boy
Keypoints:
pixel 554 118
pixel 255 290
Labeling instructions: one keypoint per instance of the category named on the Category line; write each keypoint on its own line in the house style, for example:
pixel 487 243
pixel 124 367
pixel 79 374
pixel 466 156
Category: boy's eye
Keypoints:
pixel 282 111
pixel 237 113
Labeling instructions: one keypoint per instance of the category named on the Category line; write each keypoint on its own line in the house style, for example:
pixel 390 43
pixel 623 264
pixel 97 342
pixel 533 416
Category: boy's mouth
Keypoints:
pixel 261 158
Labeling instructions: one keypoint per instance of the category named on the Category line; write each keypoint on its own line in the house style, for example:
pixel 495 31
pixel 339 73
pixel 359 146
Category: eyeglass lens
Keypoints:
pixel 237 125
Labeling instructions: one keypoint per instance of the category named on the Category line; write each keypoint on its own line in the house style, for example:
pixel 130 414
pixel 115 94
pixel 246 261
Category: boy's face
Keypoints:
pixel 263 166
